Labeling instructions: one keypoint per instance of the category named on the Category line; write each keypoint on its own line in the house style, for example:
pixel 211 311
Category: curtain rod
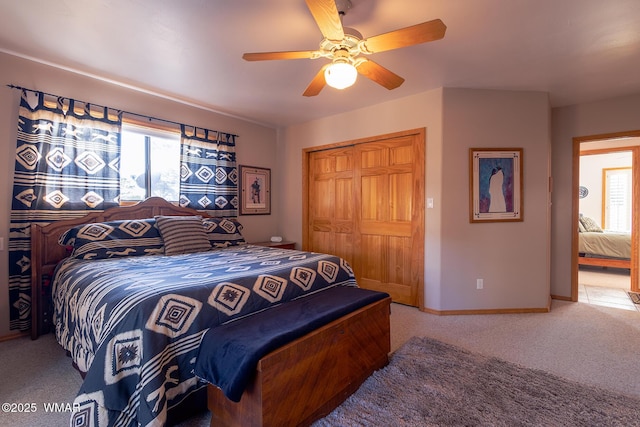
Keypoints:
pixel 123 111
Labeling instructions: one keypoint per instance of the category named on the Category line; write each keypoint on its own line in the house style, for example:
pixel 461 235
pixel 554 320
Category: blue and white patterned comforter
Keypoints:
pixel 134 325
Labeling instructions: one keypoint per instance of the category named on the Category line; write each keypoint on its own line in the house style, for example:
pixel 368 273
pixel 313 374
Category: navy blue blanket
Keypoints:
pixel 134 324
pixel 229 354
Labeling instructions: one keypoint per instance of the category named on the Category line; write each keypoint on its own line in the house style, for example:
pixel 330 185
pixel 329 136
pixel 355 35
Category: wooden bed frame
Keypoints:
pixel 294 385
pixel 604 262
pixel 46 253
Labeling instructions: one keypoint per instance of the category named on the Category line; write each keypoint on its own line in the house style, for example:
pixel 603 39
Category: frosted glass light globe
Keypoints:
pixel 340 75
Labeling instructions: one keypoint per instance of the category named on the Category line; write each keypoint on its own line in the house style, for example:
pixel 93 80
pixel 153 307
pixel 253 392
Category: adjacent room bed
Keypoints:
pixel 597 247
pixel 132 291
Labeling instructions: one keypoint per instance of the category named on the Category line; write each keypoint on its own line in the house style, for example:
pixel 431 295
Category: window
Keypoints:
pixel 617 199
pixel 149 163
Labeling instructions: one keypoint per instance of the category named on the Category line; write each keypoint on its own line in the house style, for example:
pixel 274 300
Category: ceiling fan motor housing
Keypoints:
pixel 350 43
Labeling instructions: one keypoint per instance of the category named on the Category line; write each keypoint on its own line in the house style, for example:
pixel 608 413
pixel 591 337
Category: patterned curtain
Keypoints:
pixel 208 171
pixel 66 164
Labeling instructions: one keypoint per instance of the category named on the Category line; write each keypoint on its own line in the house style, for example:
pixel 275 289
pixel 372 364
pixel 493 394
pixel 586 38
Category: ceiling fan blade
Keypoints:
pixel 416 34
pixel 379 74
pixel 266 56
pixel 325 13
pixel 317 83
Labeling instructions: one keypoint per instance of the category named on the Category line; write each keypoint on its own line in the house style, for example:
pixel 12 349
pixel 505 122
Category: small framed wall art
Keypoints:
pixel 495 179
pixel 255 190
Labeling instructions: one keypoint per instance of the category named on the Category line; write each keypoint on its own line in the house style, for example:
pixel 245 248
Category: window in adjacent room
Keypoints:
pixel 149 163
pixel 617 199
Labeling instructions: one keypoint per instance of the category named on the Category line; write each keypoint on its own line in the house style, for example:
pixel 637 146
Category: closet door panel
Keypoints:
pixel 366 204
pixel 330 202
pixel 385 174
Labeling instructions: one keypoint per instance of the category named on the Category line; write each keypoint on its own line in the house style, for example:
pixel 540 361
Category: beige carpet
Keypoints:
pixel 610 277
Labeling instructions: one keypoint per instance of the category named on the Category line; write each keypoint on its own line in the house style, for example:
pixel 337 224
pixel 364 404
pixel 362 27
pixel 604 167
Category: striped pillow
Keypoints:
pixel 182 234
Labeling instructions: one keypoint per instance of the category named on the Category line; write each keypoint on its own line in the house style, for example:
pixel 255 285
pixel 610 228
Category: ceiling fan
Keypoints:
pixel 344 45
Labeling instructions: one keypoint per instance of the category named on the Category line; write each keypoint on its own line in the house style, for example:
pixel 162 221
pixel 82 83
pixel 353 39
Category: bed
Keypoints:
pixel 604 249
pixel 132 317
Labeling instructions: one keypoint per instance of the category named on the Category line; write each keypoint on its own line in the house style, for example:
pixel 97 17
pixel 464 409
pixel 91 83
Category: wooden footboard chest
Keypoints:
pixel 309 377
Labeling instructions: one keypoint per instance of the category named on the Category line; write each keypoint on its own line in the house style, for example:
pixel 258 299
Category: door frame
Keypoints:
pixel 635 212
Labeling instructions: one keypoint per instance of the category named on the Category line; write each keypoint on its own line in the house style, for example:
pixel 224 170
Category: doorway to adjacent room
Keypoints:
pixel 605 241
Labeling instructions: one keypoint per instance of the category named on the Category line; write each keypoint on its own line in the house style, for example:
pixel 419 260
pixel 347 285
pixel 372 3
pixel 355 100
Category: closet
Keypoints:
pixel 364 201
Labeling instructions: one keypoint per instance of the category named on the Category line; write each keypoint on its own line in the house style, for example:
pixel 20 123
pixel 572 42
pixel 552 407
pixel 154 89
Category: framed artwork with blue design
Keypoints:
pixel 255 190
pixel 495 180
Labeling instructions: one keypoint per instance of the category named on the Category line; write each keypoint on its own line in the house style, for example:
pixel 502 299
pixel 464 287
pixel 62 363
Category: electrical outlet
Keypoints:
pixel 479 283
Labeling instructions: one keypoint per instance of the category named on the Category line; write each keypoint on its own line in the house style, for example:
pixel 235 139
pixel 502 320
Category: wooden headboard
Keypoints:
pixel 46 253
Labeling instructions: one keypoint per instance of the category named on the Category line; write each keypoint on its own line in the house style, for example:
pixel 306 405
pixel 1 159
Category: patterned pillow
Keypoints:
pixel 182 234
pixel 223 232
pixel 112 239
pixel 581 228
pixel 590 224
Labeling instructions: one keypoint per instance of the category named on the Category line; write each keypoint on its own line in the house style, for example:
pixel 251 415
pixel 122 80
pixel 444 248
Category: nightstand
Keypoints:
pixel 281 245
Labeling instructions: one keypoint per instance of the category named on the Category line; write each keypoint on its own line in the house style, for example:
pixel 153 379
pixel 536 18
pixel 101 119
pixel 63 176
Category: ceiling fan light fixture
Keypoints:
pixel 340 74
pixel 342 46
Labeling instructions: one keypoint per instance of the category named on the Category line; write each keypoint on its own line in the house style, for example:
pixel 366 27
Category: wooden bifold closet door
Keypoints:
pixel 365 203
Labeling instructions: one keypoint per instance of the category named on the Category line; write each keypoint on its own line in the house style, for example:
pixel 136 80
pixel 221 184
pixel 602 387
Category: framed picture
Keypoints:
pixel 255 190
pixel 495 178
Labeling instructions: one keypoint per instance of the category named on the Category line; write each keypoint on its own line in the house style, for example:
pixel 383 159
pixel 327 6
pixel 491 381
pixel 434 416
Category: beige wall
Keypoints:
pixel 512 258
pixel 604 117
pixel 516 272
pixel 256 145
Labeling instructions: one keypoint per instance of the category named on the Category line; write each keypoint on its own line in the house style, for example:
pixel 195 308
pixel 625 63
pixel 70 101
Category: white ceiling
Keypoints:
pixel 191 50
